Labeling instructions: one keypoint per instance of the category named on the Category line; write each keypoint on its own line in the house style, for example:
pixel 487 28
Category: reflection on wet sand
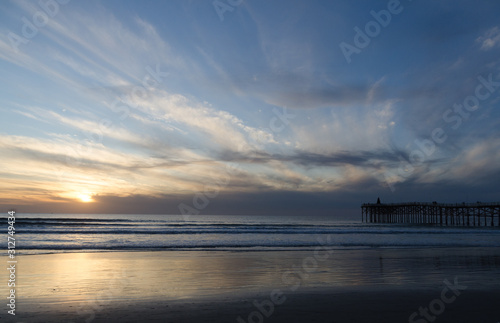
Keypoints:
pixel 76 277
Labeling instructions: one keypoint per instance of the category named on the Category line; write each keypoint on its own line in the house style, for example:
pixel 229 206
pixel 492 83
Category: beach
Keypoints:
pixel 356 285
pixel 380 306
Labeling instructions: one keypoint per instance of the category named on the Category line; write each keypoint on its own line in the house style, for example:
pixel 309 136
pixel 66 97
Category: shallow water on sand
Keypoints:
pixel 83 278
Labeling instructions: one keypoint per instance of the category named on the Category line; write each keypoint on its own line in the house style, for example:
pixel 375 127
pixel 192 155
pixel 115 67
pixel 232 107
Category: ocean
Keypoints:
pixel 62 233
pixel 133 268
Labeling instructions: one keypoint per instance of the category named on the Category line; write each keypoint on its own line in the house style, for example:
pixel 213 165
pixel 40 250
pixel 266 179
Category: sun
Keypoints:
pixel 86 198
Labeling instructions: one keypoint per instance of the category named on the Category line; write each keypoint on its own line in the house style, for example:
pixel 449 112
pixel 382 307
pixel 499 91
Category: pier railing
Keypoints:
pixel 464 214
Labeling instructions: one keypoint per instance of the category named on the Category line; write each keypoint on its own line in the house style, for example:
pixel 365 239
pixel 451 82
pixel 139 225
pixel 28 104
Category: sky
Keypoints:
pixel 247 107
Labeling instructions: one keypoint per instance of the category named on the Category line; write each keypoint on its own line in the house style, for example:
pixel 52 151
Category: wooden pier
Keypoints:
pixel 470 214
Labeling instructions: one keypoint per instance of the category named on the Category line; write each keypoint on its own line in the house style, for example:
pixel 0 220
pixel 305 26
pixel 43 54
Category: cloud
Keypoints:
pixel 67 166
pixel 490 39
pixel 476 163
pixel 309 159
pixel 320 96
pixel 224 129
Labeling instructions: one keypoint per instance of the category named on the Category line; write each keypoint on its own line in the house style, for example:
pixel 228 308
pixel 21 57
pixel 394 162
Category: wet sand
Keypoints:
pixel 320 306
pixel 375 285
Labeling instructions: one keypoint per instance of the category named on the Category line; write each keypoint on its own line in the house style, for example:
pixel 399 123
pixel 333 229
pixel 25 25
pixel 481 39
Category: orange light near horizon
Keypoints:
pixel 86 198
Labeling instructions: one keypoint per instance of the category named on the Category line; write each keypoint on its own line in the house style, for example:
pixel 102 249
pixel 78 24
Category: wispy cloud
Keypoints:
pixel 490 39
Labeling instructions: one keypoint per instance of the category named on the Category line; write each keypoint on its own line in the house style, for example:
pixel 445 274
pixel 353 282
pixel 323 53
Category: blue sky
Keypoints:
pixel 247 107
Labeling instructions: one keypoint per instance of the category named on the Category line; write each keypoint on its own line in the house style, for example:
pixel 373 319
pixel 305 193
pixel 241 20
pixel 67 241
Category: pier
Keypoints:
pixel 464 214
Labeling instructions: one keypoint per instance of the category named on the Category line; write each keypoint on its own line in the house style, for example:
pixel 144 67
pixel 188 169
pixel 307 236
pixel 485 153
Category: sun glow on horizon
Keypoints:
pixel 86 198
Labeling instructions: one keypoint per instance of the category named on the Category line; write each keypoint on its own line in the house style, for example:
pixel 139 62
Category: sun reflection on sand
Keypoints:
pixel 87 279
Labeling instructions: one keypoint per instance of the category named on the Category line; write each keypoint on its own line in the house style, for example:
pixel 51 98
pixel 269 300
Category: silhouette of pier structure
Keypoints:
pixel 463 214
